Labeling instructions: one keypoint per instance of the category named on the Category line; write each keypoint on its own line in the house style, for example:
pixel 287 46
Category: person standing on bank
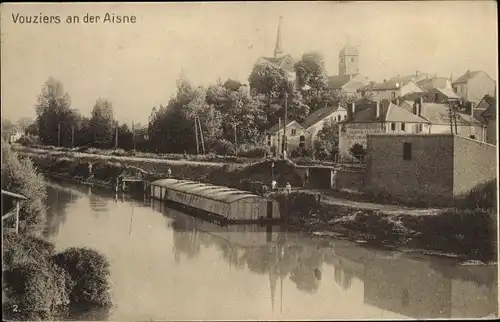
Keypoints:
pixel 288 188
pixel 169 172
pixel 273 185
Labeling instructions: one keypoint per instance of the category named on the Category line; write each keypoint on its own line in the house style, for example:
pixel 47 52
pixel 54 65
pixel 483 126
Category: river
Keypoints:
pixel 166 265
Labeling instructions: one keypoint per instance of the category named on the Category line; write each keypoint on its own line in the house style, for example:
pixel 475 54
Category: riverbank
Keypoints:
pixel 458 232
pixel 38 282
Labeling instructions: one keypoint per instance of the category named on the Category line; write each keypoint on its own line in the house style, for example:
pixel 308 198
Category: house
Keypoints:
pixel 315 121
pixel 488 106
pixel 274 137
pixel 349 84
pixel 380 118
pixel 473 86
pixel 437 116
pixel 280 58
pixel 434 82
pixel 390 89
pixel 441 95
pixel 433 167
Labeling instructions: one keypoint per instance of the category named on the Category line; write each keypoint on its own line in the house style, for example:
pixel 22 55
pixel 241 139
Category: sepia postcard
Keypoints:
pixel 268 161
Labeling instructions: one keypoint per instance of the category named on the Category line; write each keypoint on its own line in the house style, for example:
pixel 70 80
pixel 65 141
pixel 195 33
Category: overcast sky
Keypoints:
pixel 136 66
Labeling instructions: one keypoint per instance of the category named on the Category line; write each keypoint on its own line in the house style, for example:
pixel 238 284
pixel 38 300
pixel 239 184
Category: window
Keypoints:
pixel 393 126
pixel 302 138
pixel 345 117
pixel 403 127
pixel 393 94
pixel 407 151
pixel 269 142
pixel 420 128
pixel 455 89
pixel 341 60
pixel 269 137
pixel 294 132
pixel 338 118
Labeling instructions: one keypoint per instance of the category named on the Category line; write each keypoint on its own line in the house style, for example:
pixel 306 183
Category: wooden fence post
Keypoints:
pixel 17 216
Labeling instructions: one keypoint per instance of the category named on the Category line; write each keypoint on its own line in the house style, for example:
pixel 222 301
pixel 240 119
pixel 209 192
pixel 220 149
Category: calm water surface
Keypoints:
pixel 168 265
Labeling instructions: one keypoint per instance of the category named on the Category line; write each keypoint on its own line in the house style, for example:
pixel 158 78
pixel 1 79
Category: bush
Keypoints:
pixel 223 147
pixel 19 176
pixel 322 154
pixel 252 151
pixel 89 270
pixel 299 152
pixel 483 196
pixel 35 288
pixel 296 204
pixel 35 291
pixel 358 151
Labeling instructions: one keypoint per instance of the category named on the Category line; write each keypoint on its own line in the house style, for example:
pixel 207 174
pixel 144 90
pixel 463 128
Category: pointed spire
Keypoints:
pixel 278 50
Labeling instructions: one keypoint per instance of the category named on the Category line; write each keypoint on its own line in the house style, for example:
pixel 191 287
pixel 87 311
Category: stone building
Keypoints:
pixel 432 167
pixel 474 85
pixel 379 118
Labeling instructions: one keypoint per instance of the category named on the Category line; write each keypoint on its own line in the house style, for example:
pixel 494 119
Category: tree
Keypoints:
pixel 358 151
pixel 54 116
pixel 232 85
pixel 102 124
pixel 328 137
pixel 268 80
pixel 310 70
pixel 23 123
pixel 7 128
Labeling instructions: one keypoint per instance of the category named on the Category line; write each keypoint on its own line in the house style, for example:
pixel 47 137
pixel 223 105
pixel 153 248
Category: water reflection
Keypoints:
pixel 173 259
pixel 59 198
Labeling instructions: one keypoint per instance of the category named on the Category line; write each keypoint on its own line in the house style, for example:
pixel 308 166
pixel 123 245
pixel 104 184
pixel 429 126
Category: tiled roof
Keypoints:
pixel 279 60
pixel 437 113
pixel 399 114
pixel 449 93
pixel 465 77
pixel 275 128
pixel 318 115
pixel 388 113
pixel 337 81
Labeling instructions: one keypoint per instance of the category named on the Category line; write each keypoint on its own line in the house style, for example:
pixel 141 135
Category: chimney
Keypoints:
pixel 349 112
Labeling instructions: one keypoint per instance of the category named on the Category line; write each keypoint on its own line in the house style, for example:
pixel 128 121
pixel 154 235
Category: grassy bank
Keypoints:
pixel 38 283
pixel 467 230
pixel 466 233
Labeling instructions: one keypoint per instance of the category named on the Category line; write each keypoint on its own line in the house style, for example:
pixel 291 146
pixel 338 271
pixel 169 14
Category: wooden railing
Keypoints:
pixel 18 198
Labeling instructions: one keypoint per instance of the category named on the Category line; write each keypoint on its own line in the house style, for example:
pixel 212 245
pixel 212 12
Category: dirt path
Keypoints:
pixel 124 158
pixel 389 209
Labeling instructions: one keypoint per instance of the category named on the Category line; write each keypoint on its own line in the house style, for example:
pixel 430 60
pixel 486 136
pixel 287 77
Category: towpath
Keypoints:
pixel 389 209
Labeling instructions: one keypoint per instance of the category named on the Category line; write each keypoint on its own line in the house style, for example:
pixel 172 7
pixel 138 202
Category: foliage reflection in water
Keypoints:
pixel 169 258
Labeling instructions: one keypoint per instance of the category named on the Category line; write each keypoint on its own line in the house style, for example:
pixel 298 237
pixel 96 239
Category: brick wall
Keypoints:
pixel 474 163
pixel 428 174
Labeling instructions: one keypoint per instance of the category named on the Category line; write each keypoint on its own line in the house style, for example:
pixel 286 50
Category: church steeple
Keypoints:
pixel 278 50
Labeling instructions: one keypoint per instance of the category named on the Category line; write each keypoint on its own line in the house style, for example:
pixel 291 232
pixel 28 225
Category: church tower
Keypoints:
pixel 349 61
pixel 278 50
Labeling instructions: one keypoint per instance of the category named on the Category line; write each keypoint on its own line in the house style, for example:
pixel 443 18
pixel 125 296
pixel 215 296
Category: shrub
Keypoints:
pixel 89 270
pixel 321 154
pixel 358 151
pixel 19 176
pixel 35 291
pixel 296 204
pixel 483 196
pixel 34 287
pixel 252 151
pixel 299 152
pixel 223 147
